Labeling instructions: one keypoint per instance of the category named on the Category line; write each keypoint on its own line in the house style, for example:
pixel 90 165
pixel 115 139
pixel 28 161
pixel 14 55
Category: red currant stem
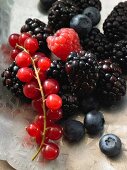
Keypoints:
pixel 43 106
pixel 43 101
pixel 21 48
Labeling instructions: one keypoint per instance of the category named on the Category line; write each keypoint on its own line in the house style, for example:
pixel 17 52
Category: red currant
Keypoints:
pixel 25 74
pixel 42 75
pixel 31 44
pixel 54 102
pixel 30 90
pixel 14 53
pixel 39 140
pixel 40 122
pixel 54 132
pixel 23 59
pixel 33 130
pixel 44 63
pixel 50 151
pixel 37 56
pixel 54 114
pixel 37 105
pixel 13 39
pixel 51 86
pixel 23 37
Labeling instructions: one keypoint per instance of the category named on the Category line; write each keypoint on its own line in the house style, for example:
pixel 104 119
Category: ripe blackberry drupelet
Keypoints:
pixel 39 30
pixel 82 4
pixel 111 85
pixel 97 43
pixel 82 71
pixel 60 14
pixel 12 83
pixel 57 71
pixel 115 26
pixel 70 104
pixel 120 55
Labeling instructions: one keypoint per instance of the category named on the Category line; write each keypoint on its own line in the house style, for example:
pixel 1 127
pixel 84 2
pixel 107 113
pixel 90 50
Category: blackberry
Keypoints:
pixel 57 71
pixel 120 55
pixel 115 26
pixel 97 43
pixel 46 4
pixel 39 30
pixel 111 85
pixel 60 14
pixel 12 83
pixel 70 104
pixel 82 70
pixel 82 4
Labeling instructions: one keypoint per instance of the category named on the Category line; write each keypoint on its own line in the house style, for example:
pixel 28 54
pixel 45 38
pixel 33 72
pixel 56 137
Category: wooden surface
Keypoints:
pixel 5 166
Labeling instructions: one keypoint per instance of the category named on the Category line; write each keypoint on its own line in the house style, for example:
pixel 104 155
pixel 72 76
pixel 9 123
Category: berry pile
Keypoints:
pixel 29 70
pixel 86 74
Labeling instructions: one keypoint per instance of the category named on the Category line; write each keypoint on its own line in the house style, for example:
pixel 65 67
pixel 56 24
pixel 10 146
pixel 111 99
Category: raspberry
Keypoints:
pixel 63 42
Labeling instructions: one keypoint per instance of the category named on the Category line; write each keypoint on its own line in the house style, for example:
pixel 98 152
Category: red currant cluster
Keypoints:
pixel 43 92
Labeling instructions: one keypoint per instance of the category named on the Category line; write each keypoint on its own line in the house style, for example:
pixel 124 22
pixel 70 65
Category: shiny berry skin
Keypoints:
pixel 31 44
pixel 40 122
pixel 55 115
pixel 23 59
pixel 42 76
pixel 37 56
pixel 23 37
pixel 54 132
pixel 13 39
pixel 50 151
pixel 63 42
pixel 33 130
pixel 110 145
pixel 14 53
pixel 94 122
pixel 54 102
pixel 44 63
pixel 51 86
pixel 25 74
pixel 37 105
pixel 39 139
pixel 30 90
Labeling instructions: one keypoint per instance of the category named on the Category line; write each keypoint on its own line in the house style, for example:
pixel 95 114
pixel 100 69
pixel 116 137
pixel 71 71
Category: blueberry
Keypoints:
pixel 110 145
pixel 89 103
pixel 81 24
pixel 94 122
pixel 46 4
pixel 94 14
pixel 73 130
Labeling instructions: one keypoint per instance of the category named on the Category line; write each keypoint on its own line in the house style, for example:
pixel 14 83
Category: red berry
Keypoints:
pixel 30 90
pixel 63 42
pixel 33 130
pixel 42 76
pixel 51 86
pixel 54 115
pixel 54 132
pixel 50 151
pixel 44 63
pixel 13 39
pixel 23 37
pixel 54 102
pixel 37 56
pixel 37 105
pixel 23 59
pixel 40 122
pixel 14 53
pixel 31 44
pixel 25 74
pixel 39 140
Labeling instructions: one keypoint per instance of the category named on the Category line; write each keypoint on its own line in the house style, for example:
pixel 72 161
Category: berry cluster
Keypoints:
pixel 32 67
pixel 85 77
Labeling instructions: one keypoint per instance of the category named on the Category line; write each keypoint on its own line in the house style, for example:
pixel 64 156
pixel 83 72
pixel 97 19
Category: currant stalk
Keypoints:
pixel 43 101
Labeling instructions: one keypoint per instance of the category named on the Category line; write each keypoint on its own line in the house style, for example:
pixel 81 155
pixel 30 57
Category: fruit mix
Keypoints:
pixel 86 75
